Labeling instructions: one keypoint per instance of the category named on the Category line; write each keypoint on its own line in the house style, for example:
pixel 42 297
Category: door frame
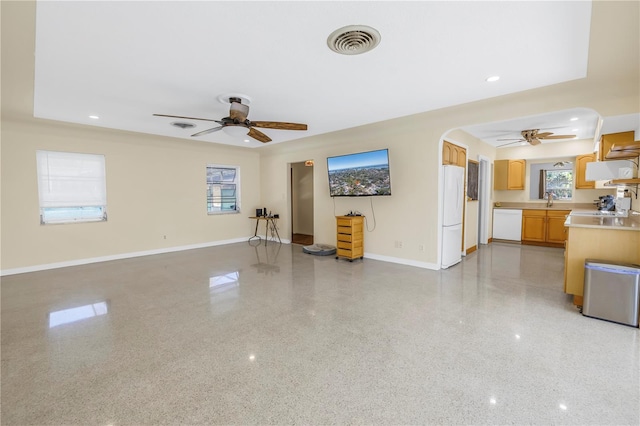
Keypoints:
pixel 484 198
pixel 291 197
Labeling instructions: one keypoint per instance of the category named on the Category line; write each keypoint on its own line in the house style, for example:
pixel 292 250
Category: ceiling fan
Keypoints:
pixel 534 138
pixel 238 119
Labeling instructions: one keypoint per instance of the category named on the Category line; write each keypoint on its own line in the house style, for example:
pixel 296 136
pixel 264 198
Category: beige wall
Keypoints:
pixel 156 187
pixel 144 204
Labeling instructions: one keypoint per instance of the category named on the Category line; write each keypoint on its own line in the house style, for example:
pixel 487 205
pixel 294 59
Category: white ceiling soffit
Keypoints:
pixel 124 61
pixel 621 123
pixel 581 122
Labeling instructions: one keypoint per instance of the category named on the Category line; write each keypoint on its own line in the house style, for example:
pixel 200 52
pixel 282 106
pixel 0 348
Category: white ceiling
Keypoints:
pixel 124 61
pixel 581 122
pixel 584 123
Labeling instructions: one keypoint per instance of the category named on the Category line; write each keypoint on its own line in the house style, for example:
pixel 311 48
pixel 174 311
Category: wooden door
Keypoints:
pixel 556 232
pixel 455 152
pixel 581 171
pixel 462 158
pixel 446 153
pixel 534 225
pixel 516 174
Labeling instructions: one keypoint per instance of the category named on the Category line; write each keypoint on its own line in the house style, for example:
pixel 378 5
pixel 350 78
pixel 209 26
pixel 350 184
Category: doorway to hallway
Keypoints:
pixel 301 175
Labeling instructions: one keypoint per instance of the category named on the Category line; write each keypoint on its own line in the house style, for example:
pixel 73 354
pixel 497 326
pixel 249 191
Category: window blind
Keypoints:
pixel 68 179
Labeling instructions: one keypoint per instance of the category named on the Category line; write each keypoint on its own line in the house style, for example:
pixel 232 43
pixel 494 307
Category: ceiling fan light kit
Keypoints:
pixel 237 125
pixel 236 131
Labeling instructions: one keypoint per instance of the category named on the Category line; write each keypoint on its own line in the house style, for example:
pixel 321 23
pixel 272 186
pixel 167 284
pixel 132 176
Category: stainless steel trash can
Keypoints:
pixel 612 291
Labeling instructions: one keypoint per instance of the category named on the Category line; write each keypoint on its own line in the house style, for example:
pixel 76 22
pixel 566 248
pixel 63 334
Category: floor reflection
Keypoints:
pixel 79 313
pixel 266 258
pixel 224 282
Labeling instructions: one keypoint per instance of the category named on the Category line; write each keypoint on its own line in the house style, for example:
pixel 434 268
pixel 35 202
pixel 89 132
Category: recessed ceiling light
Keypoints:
pixel 94 117
pixel 493 78
pixel 247 140
pixel 574 119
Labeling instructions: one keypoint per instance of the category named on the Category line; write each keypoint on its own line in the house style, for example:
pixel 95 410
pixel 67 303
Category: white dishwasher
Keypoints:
pixel 507 224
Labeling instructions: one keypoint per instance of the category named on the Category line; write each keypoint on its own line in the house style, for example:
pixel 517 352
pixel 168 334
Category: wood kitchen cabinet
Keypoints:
pixel 453 155
pixel 607 141
pixel 556 232
pixel 534 226
pixel 508 174
pixel 581 171
pixel 544 227
pixel 350 236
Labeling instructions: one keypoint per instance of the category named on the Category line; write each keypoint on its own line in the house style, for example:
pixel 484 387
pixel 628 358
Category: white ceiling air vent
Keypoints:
pixel 353 39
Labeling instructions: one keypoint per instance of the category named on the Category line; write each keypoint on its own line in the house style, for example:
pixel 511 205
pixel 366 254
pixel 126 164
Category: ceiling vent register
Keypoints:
pixel 353 40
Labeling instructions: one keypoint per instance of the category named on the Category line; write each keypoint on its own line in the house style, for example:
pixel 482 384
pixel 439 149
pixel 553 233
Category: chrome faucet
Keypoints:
pixel 549 199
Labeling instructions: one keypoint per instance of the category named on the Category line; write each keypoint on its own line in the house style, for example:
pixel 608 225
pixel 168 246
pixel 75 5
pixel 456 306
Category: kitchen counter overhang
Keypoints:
pixel 614 223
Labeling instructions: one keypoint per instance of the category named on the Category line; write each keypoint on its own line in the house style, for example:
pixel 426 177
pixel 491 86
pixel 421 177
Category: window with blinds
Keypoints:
pixel 71 187
pixel 223 189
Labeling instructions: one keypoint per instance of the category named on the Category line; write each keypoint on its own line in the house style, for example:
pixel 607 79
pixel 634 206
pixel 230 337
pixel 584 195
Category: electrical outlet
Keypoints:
pixel 398 244
pixel 164 237
pixel 420 247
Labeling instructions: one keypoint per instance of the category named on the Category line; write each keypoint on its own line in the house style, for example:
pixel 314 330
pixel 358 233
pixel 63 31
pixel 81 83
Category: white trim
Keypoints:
pixel 401 261
pixel 486 201
pixel 86 261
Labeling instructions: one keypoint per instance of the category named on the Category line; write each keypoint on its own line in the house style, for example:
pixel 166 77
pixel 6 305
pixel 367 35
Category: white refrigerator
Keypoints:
pixel 453 199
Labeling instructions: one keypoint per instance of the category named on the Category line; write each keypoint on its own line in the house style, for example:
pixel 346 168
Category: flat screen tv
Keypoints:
pixel 361 174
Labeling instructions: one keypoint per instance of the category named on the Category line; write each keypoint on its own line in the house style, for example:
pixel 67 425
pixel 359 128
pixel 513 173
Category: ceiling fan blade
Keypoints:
pixel 258 135
pixel 544 134
pixel 187 118
pixel 238 111
pixel 206 132
pixel 535 141
pixel 278 125
pixel 511 143
pixel 558 137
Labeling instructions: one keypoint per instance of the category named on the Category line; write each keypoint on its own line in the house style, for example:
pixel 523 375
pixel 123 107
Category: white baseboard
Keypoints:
pixel 78 262
pixel 86 261
pixel 418 264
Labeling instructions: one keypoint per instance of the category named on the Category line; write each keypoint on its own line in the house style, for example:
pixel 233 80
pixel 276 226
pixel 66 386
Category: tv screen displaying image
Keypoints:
pixel 362 174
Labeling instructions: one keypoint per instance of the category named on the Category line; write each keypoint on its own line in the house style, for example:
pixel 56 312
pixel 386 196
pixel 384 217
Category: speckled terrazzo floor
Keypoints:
pixel 269 335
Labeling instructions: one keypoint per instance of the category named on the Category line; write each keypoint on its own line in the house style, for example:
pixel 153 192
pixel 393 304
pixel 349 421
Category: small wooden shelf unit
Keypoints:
pixel 350 236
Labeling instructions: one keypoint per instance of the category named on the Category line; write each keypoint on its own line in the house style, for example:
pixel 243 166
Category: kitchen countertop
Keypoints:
pixel 543 206
pixel 631 223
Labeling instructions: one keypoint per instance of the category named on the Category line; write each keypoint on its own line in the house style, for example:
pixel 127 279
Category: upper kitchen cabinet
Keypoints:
pixel 617 139
pixel 453 155
pixel 508 174
pixel 581 171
